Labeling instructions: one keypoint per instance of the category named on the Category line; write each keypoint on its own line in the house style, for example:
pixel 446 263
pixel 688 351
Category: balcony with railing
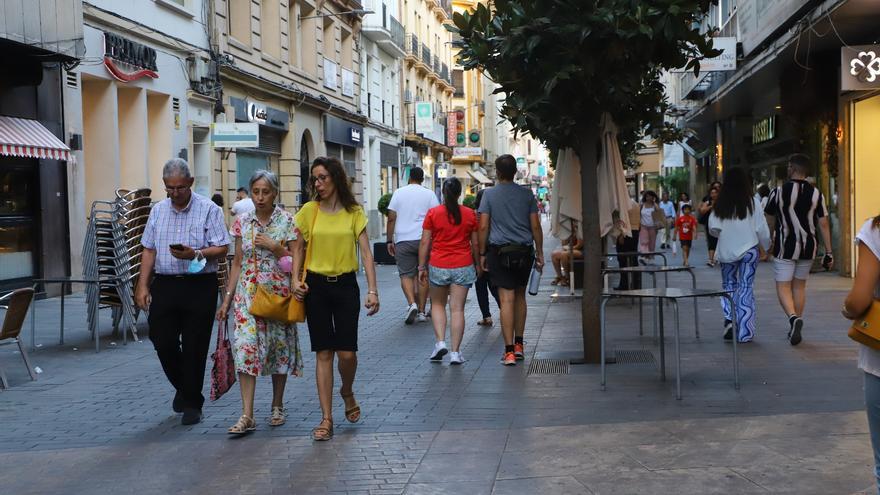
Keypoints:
pixel 412 47
pixel 426 55
pixel 398 35
pixel 382 28
pixel 443 9
pixel 444 74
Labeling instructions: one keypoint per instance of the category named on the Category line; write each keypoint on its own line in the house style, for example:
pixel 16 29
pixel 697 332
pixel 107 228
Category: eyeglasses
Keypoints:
pixel 172 190
pixel 320 178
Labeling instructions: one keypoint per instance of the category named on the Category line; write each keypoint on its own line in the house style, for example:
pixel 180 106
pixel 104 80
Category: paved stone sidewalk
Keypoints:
pixel 102 423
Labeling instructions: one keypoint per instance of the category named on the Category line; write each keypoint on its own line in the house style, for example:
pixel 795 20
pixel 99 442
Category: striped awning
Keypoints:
pixel 30 139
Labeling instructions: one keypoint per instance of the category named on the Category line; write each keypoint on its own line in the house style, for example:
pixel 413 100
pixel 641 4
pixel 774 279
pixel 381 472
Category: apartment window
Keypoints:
pixel 329 39
pixel 270 28
pixel 240 20
pixel 347 49
pixel 307 35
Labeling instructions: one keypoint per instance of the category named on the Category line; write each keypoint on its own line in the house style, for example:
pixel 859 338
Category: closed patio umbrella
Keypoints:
pixel 613 193
pixel 565 202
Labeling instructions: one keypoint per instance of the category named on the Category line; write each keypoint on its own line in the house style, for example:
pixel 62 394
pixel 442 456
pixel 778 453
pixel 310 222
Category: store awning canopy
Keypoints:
pixel 479 176
pixel 30 139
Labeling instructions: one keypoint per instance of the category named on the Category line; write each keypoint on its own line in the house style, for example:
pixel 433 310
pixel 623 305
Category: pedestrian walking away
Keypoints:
pixel 450 234
pixel 865 291
pixel 483 286
pixel 793 210
pixel 243 202
pixel 705 212
pixel 665 232
pixel 184 237
pixel 334 225
pixel 406 214
pixel 739 224
pixel 511 242
pixel 652 218
pixel 629 243
pixel 263 242
pixel 686 232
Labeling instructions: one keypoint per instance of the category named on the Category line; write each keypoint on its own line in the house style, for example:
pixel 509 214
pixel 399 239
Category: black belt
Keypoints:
pixel 185 276
pixel 332 278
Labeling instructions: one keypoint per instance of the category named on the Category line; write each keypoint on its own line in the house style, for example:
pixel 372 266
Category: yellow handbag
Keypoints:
pixel 866 329
pixel 284 309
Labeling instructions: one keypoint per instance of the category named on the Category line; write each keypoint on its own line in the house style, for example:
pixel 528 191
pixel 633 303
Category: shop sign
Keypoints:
pixel 521 163
pixel 467 151
pixel 235 135
pixel 355 135
pixel 341 131
pixel 764 130
pixel 424 117
pixel 726 61
pixel 860 67
pixel 451 128
pixel 257 113
pixel 128 60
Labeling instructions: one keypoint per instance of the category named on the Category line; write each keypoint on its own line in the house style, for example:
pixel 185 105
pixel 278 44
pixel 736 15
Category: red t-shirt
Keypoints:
pixel 686 225
pixel 450 243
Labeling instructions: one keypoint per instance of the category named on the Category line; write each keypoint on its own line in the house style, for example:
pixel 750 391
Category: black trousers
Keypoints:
pixel 630 244
pixel 333 307
pixel 483 287
pixel 181 322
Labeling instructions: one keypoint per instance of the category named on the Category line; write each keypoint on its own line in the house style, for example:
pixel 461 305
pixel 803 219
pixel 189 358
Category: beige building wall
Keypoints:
pixel 100 140
pixel 159 132
pixel 133 138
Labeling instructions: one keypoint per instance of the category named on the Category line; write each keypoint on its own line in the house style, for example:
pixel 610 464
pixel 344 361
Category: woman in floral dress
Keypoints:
pixel 263 238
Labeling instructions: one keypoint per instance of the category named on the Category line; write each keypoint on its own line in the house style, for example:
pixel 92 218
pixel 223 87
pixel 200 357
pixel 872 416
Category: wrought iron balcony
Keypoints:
pixel 426 55
pixel 412 46
pixel 398 35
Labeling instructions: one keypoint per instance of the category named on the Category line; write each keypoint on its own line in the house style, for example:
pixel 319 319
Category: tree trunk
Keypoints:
pixel 588 152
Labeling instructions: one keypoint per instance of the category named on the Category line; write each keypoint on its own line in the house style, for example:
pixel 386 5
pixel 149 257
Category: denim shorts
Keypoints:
pixel 442 277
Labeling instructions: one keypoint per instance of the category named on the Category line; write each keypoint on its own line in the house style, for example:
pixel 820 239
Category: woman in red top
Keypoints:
pixel 450 234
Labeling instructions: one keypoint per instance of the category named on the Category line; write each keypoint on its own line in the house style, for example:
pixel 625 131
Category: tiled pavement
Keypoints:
pixel 101 423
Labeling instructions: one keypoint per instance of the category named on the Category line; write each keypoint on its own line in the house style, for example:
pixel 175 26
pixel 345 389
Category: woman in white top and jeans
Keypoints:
pixel 652 216
pixel 738 221
pixel 866 288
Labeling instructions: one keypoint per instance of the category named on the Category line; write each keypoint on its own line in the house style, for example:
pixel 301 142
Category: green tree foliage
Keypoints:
pixel 384 201
pixel 469 201
pixel 562 63
pixel 676 181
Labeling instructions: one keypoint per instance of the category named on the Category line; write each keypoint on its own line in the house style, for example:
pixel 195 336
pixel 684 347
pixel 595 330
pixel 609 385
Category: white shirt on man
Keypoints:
pixel 243 206
pixel 411 203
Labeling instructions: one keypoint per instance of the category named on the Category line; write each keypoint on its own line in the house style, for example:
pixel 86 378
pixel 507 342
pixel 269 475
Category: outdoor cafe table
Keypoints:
pixel 653 270
pixel 671 295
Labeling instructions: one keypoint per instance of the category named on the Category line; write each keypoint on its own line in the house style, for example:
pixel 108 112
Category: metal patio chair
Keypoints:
pixel 16 304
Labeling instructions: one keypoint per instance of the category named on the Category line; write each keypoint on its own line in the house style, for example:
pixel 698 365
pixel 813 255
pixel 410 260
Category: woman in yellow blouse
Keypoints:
pixel 335 225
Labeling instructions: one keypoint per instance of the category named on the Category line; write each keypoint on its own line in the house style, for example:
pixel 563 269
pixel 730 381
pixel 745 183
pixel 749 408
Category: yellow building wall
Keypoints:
pixel 159 125
pixel 100 140
pixel 133 140
pixel 866 150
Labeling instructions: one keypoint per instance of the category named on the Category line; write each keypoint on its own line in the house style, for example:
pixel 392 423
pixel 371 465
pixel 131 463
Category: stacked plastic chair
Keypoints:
pixel 112 257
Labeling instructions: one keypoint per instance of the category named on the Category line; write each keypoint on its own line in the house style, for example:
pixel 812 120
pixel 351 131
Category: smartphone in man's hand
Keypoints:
pixel 176 247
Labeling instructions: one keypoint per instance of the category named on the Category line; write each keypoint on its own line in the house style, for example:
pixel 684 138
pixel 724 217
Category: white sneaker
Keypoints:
pixel 440 350
pixel 422 318
pixel 411 313
pixel 455 358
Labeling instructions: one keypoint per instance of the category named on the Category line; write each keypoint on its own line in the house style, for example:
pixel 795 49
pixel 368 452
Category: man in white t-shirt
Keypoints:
pixel 406 213
pixel 665 232
pixel 243 203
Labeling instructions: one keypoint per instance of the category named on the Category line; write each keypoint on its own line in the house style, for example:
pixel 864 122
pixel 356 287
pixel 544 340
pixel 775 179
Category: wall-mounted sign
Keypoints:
pixel 451 127
pixel 257 113
pixel 468 151
pixel 128 60
pixel 424 117
pixel 764 130
pixel 347 82
pixel 859 67
pixel 355 135
pixel 235 135
pixel 341 131
pixel 726 61
pixel 330 77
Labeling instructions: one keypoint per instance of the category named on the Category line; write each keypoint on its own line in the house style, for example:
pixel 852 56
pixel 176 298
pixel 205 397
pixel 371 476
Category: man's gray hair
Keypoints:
pixel 176 167
pixel 271 178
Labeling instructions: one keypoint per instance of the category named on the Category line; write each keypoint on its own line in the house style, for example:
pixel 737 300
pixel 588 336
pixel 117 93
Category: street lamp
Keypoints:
pixel 332 14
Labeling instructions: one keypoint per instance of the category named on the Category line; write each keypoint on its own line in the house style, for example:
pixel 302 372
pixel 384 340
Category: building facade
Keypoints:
pixel 381 62
pixel 39 151
pixel 427 89
pixel 782 97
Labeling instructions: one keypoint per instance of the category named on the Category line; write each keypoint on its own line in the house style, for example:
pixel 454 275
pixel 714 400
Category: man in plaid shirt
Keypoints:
pixel 184 237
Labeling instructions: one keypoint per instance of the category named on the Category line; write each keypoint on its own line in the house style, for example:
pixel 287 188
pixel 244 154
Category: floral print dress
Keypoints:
pixel 263 347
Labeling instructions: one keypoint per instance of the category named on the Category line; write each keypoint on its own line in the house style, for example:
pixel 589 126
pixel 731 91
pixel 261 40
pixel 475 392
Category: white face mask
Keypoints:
pixel 198 263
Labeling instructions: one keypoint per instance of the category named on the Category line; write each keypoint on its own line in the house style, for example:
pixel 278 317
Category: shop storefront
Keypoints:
pixel 274 124
pixel 342 139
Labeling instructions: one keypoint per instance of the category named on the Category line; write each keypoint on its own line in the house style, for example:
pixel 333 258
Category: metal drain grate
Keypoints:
pixel 549 367
pixel 634 356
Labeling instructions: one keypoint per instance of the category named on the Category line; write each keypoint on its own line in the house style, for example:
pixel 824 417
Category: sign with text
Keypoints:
pixel 467 151
pixel 451 128
pixel 128 60
pixel 424 117
pixel 724 62
pixel 235 135
pixel 764 130
pixel 859 67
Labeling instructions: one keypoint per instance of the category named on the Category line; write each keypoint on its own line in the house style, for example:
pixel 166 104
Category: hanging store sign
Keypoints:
pixel 128 60
pixel 257 113
pixel 726 61
pixel 451 128
pixel 424 117
pixel 860 67
pixel 235 135
pixel 467 151
pixel 764 130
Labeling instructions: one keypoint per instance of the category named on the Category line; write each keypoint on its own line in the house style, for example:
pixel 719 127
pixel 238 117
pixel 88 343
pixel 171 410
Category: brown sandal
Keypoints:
pixel 485 322
pixel 353 415
pixel 278 417
pixel 322 433
pixel 243 426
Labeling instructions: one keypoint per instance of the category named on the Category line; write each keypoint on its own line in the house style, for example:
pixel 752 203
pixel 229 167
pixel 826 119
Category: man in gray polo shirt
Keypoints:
pixel 511 241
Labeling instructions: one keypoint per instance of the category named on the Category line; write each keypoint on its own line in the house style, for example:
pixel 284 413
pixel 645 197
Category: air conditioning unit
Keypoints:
pixel 199 69
pixel 407 96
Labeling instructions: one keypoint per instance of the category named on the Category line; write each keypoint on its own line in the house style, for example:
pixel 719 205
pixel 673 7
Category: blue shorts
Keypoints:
pixel 442 277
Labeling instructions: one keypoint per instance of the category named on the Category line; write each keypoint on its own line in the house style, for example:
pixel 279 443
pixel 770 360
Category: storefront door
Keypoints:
pixel 19 225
